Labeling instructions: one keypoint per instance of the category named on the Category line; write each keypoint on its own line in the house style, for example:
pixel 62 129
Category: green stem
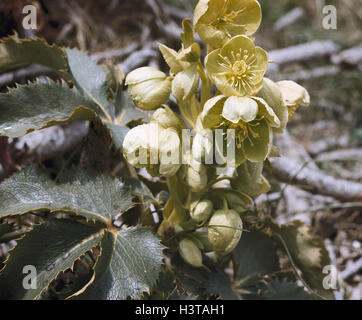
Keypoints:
pixel 172 183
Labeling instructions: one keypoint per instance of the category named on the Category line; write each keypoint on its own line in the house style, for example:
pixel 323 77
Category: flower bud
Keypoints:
pixel 202 211
pixel 166 118
pixel 148 87
pixel 185 83
pixel 140 146
pixel 196 176
pixel 170 148
pixel 190 253
pixel 225 229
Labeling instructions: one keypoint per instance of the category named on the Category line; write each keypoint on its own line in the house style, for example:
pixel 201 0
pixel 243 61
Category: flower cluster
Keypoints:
pixel 227 93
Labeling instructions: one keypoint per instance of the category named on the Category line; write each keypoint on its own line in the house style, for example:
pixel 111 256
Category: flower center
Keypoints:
pixel 239 68
pixel 243 130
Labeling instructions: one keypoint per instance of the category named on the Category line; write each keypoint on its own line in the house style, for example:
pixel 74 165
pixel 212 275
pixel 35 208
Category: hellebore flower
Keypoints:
pixel 153 147
pixel 238 68
pixel 217 20
pixel 148 87
pixel 293 95
pixel 250 117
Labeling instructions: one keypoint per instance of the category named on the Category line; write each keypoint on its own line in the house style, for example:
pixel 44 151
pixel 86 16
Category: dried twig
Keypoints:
pixel 289 18
pixel 316 181
pixel 352 56
pixel 352 269
pixel 302 52
pixel 341 155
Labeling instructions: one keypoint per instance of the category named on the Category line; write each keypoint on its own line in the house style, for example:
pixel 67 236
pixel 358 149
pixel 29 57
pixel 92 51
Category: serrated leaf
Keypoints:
pixel 134 265
pixel 95 197
pixel 51 247
pixel 139 189
pixel 284 290
pixel 16 53
pixel 90 78
pixel 307 251
pixel 42 104
pixel 256 256
pixel 220 284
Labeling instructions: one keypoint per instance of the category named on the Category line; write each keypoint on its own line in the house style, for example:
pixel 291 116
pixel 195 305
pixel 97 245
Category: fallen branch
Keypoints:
pixel 309 74
pixel 341 155
pixel 289 18
pixel 352 269
pixel 302 52
pixel 50 142
pixel 316 181
pixel 352 57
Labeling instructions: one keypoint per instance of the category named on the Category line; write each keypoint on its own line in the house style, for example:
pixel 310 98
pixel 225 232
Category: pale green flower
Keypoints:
pixel 293 95
pixel 238 68
pixel 250 117
pixel 224 231
pixel 153 147
pixel 272 95
pixel 148 87
pixel 217 20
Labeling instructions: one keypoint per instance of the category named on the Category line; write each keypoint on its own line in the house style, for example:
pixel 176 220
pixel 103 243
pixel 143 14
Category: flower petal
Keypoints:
pixel 267 112
pixel 258 149
pixel 211 115
pixel 240 108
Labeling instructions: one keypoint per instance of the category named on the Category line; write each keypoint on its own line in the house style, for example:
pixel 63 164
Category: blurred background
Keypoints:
pixel 326 137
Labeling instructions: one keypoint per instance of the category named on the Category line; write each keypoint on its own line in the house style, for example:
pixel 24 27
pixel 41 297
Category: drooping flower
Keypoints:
pixel 293 95
pixel 238 68
pixel 251 119
pixel 217 20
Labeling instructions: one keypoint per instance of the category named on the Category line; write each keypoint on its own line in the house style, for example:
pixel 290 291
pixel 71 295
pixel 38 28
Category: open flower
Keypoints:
pixel 251 119
pixel 217 20
pixel 238 68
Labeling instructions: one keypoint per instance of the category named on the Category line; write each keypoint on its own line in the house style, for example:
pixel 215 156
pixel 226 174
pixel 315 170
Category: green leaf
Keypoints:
pixel 134 265
pixel 42 104
pixel 139 189
pixel 255 256
pixel 95 197
pixel 118 134
pixel 284 290
pixel 51 248
pixel 307 252
pixel 220 284
pixel 125 111
pixel 90 78
pixel 15 53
